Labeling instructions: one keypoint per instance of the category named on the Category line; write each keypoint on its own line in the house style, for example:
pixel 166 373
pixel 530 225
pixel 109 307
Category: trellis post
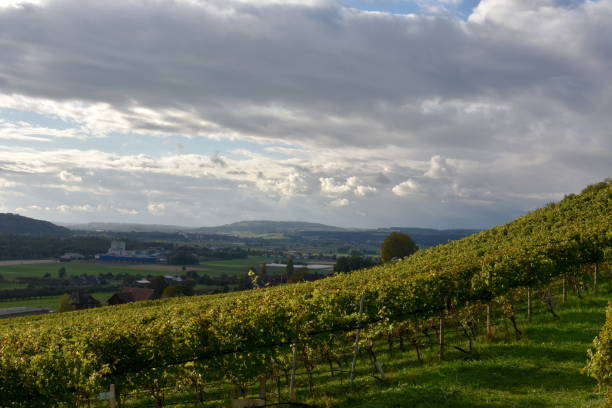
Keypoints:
pixel 529 303
pixel 292 394
pixel 356 347
pixel 441 338
pixel 114 401
pixel 489 325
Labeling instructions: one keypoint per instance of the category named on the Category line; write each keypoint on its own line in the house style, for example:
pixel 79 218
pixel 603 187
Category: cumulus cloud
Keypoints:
pixel 330 186
pixel 156 208
pixel 363 191
pixel 406 188
pixel 439 168
pixel 65 175
pixel 340 202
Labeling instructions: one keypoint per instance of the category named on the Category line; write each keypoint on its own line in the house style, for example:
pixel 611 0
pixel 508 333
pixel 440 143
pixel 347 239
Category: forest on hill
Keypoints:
pixel 17 224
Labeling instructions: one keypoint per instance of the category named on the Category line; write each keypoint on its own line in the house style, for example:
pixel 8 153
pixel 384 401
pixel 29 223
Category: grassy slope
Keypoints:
pixel 541 370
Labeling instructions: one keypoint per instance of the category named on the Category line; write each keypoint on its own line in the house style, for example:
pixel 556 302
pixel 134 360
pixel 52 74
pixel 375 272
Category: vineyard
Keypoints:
pixel 247 338
pixel 600 364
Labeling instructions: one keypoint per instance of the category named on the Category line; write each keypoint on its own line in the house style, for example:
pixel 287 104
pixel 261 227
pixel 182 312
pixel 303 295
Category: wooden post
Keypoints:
pixel 262 387
pixel 564 288
pixel 529 304
pixel 292 395
pixel 441 338
pixel 114 402
pixel 356 347
pixel 595 279
pixel 489 326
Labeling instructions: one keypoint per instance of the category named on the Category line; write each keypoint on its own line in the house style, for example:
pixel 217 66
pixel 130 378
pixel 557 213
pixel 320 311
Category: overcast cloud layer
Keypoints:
pixel 201 112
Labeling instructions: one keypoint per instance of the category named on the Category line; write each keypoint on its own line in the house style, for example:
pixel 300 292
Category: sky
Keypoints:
pixel 356 113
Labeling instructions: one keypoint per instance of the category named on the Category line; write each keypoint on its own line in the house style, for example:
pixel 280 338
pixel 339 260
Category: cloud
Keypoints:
pixel 510 105
pixel 363 191
pixel 406 188
pixel 156 208
pixel 329 186
pixel 439 168
pixel 340 202
pixel 65 175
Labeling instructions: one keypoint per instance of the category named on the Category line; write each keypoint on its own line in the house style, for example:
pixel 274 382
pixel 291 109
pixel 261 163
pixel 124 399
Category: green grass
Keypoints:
pixel 229 267
pixel 51 302
pixel 541 370
pixel 232 266
pixel 10 272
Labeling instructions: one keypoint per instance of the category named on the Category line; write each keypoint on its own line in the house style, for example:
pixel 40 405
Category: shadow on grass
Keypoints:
pixel 427 396
pixel 503 377
pixel 534 352
pixel 561 334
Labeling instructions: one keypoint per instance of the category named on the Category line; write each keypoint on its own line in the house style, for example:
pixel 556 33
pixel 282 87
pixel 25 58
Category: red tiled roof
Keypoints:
pixel 139 294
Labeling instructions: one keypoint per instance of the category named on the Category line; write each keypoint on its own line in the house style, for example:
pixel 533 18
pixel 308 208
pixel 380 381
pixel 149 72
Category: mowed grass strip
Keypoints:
pixel 543 369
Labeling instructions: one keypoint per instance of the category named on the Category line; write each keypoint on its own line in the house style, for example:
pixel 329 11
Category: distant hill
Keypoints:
pixel 296 232
pixel 16 224
pixel 267 227
pixel 126 227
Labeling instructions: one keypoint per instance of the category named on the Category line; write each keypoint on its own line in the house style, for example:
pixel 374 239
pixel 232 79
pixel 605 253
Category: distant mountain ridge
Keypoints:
pixel 294 231
pixel 17 224
pixel 125 227
pixel 268 227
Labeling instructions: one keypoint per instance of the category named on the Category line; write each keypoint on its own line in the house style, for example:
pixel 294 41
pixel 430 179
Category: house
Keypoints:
pixel 127 295
pixel 82 300
pixel 71 256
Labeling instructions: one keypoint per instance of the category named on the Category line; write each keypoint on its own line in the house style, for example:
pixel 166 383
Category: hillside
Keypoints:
pixel 290 232
pixel 16 224
pixel 234 338
pixel 124 227
pixel 268 227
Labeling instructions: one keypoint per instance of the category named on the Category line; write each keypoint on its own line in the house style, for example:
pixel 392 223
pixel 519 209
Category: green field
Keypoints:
pixel 232 266
pixel 217 267
pixel 51 302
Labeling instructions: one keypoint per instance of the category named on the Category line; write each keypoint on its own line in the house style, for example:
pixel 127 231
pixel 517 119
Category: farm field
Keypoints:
pixel 11 270
pixel 51 302
pixel 16 269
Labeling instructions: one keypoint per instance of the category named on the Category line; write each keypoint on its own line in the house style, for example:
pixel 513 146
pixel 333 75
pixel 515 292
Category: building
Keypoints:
pixel 71 256
pixel 82 300
pixel 118 253
pixel 128 295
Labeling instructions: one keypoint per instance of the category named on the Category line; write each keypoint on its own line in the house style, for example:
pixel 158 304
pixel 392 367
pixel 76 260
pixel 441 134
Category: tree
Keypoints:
pixel 351 263
pixel 397 245
pixel 61 272
pixel 66 303
pixel 289 267
pixel 183 258
pixel 158 284
pixel 297 275
pixel 177 290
